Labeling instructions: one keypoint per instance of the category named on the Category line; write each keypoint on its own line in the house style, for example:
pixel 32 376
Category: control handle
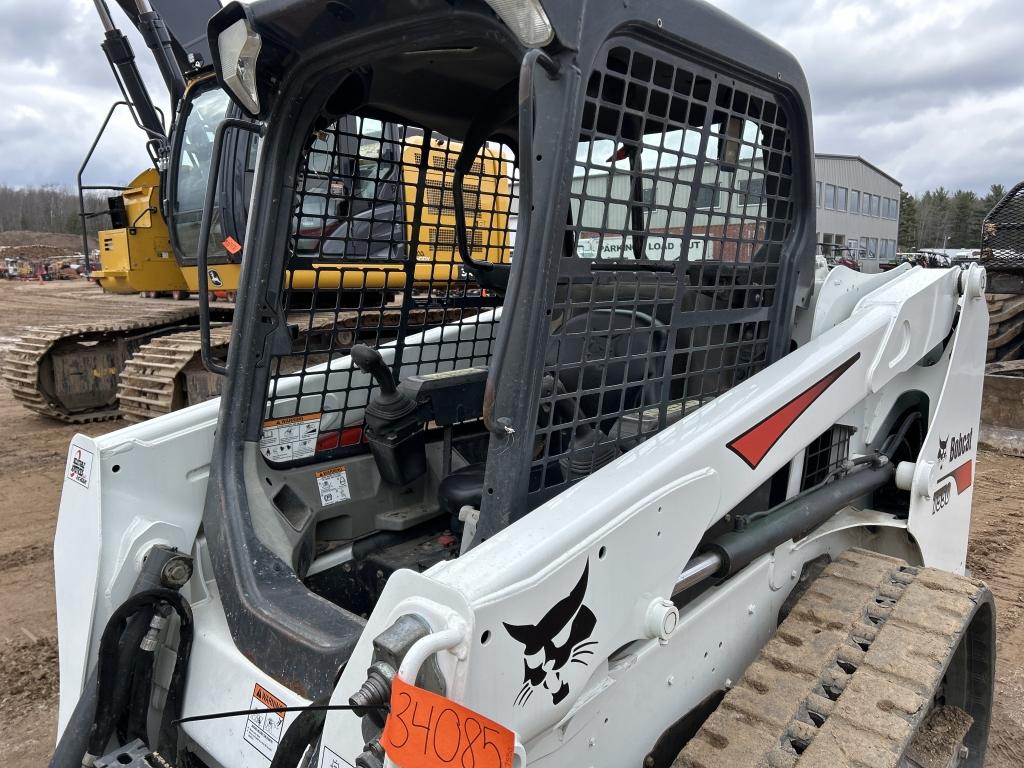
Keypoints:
pixel 370 361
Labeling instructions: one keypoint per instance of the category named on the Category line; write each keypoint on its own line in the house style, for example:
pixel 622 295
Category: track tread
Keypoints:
pixel 149 385
pixel 23 359
pixel 849 675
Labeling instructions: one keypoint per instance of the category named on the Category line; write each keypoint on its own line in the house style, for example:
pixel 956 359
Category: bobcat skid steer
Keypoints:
pixel 657 491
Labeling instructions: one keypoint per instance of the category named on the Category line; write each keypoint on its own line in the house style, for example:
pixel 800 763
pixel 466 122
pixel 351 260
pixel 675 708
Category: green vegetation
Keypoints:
pixel 940 219
pixel 47 209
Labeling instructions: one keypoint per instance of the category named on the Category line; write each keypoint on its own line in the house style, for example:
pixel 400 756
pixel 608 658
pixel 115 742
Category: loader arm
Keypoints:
pixel 659 500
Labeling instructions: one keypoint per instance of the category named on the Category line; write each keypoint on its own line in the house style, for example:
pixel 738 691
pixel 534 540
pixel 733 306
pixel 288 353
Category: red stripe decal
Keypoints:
pixel 754 444
pixel 963 476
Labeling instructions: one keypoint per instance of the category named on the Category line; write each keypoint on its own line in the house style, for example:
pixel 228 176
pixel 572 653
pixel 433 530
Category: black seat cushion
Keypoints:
pixel 463 486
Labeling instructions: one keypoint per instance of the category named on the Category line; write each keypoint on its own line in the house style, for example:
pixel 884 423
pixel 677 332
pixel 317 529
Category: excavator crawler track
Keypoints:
pixel 855 676
pixel 68 372
pixel 153 381
pixel 167 373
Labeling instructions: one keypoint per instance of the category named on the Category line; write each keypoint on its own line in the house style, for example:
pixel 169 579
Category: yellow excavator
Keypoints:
pixel 135 253
pixel 363 181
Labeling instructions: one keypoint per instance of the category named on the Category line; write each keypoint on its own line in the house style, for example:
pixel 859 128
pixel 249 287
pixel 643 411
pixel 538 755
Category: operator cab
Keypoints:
pixel 442 385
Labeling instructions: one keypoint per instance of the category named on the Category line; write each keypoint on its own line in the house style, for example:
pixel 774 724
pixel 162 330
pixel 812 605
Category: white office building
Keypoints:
pixel 858 210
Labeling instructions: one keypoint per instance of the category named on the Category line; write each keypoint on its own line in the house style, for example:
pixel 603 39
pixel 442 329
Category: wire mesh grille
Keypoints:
pixel 680 206
pixel 826 455
pixel 1002 246
pixel 373 259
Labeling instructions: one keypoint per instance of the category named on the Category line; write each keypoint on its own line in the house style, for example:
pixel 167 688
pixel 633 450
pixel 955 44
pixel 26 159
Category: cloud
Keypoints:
pixel 930 90
pixel 57 89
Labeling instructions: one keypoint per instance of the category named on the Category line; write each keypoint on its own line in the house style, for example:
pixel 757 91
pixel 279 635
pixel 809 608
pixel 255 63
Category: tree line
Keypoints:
pixel 937 219
pixel 943 219
pixel 48 209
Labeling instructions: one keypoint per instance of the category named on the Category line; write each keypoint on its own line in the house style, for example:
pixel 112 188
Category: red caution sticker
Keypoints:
pixel 425 730
pixel 231 245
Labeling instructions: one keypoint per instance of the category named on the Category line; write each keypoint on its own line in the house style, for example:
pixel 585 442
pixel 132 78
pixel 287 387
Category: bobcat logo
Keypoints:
pixel 942 449
pixel 559 639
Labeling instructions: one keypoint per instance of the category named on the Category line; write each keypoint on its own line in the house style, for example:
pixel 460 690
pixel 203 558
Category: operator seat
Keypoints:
pixel 632 343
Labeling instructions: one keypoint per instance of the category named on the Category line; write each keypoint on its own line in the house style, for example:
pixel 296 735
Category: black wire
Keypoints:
pixel 261 710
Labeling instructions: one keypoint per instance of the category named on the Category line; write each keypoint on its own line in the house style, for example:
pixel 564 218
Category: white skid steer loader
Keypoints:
pixel 646 489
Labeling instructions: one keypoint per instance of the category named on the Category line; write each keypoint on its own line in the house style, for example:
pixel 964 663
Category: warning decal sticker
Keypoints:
pixel 289 439
pixel 333 485
pixel 263 729
pixel 79 465
pixel 330 759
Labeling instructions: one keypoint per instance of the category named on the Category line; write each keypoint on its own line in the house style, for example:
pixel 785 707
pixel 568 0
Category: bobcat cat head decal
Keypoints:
pixel 553 644
pixel 942 449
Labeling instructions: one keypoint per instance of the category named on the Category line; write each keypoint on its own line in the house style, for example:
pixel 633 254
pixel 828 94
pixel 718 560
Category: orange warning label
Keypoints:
pixel 268 699
pixel 290 438
pixel 263 729
pixel 231 245
pixel 291 420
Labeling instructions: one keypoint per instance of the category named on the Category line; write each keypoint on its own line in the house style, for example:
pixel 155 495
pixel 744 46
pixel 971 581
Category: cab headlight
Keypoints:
pixel 239 46
pixel 527 19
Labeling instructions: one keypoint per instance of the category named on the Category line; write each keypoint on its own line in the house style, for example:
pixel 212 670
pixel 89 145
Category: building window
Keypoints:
pixel 830 197
pixel 894 209
pixel 754 194
pixel 649 195
pixel 854 201
pixel 876 206
pixel 841 193
pixel 865 204
pixel 818 193
pixel 708 198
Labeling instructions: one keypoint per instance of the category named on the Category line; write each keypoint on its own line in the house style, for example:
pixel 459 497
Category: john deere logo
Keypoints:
pixel 215 280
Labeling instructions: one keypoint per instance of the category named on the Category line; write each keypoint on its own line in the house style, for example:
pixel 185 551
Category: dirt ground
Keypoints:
pixel 21 237
pixel 32 463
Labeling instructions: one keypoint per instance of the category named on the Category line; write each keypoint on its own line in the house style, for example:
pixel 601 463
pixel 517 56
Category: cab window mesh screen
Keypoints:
pixel 1002 247
pixel 372 259
pixel 681 202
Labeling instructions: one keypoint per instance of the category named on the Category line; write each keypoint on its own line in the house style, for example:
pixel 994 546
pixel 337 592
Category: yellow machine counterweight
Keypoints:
pixel 137 256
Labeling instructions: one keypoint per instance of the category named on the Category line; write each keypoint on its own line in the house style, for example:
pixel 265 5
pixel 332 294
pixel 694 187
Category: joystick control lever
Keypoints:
pixel 370 361
pixel 393 427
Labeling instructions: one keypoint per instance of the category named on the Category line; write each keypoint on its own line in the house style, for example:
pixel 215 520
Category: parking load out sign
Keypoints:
pixel 291 438
pixel 263 729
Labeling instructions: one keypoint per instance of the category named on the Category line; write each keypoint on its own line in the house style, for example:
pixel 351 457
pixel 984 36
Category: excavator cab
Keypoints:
pixel 538 421
pixel 203 109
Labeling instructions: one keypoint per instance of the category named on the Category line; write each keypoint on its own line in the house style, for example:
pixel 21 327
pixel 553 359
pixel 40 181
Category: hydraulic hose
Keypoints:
pixel 122 673
pixel 112 690
pixel 74 740
pixel 301 734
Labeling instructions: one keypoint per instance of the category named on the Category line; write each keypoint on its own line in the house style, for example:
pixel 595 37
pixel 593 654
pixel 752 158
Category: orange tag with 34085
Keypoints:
pixel 425 730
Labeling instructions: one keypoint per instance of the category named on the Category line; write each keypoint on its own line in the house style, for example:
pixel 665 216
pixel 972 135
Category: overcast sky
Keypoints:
pixel 932 91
